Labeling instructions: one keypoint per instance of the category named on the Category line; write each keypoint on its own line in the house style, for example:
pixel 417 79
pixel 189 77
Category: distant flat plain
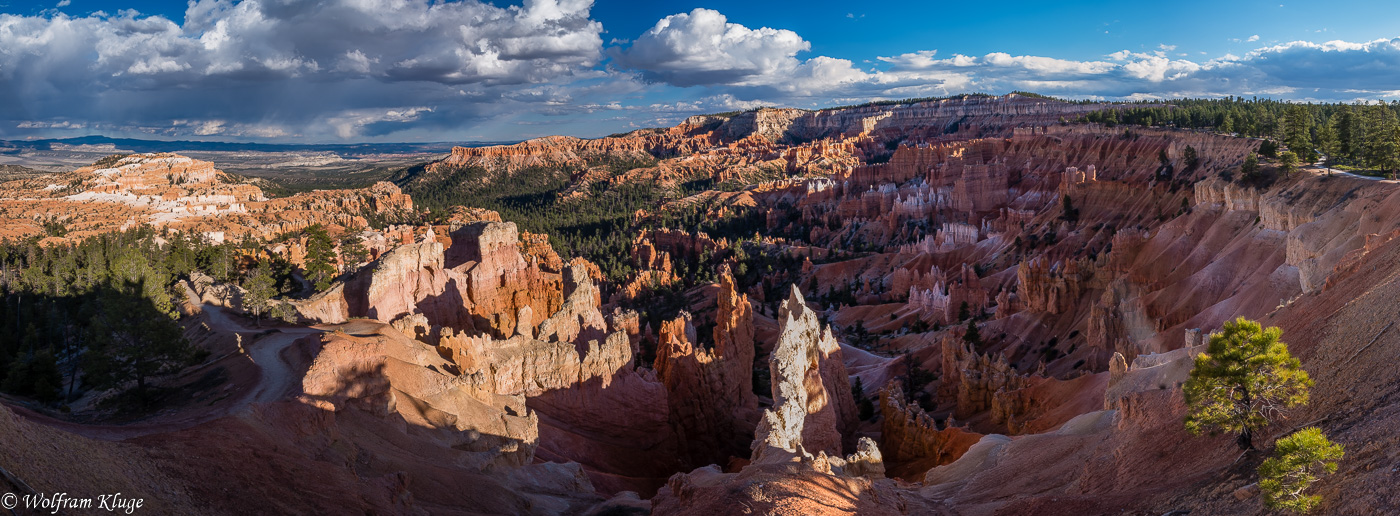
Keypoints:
pixel 284 169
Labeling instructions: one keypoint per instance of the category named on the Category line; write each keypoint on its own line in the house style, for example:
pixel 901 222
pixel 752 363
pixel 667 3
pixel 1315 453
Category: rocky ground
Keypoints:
pixel 468 368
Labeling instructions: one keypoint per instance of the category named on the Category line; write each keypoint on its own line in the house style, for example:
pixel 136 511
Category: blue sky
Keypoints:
pixel 419 70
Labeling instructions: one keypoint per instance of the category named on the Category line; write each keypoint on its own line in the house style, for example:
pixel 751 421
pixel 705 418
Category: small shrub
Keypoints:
pixel 1298 461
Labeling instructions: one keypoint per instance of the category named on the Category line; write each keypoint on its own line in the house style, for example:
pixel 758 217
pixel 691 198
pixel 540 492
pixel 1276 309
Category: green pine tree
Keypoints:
pixel 1297 130
pixel 352 249
pixel 1288 162
pixel 320 257
pixel 35 375
pixel 134 341
pixel 284 311
pixel 1250 169
pixel 260 287
pixel 972 336
pixel 1298 461
pixel 1189 157
pixel 1245 376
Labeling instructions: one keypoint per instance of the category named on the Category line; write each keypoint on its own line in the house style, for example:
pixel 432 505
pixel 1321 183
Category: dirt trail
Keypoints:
pixel 266 352
pixel 276 378
pixel 1321 168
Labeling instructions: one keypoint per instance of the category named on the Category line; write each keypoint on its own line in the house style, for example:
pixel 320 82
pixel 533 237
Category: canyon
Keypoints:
pixel 175 192
pixel 962 306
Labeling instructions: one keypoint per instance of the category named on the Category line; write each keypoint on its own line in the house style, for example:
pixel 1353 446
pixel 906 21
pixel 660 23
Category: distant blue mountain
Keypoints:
pixel 136 145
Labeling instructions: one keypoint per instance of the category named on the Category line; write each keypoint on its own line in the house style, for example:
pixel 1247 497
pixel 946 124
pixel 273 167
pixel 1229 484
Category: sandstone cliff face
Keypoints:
pixel 934 117
pixel 499 282
pixel 564 151
pixel 401 282
pixel 713 407
pixel 1320 226
pixel 769 124
pixel 480 284
pixel 390 376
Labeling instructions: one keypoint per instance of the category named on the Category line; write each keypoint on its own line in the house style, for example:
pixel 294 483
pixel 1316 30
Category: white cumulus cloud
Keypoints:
pixel 702 48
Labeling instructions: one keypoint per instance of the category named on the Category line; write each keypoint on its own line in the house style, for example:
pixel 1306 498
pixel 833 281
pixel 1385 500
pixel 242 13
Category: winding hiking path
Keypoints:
pixel 275 379
pixel 1321 167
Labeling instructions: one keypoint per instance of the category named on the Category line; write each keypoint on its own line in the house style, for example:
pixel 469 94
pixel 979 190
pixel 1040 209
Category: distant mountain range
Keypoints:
pixel 137 145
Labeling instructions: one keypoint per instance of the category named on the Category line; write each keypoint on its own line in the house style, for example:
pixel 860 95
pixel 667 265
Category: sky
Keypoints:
pixel 333 71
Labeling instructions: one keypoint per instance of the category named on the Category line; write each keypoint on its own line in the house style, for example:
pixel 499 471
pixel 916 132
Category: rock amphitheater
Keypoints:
pixel 468 368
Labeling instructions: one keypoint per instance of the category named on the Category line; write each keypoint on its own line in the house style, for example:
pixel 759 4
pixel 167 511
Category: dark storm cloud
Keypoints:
pixel 279 67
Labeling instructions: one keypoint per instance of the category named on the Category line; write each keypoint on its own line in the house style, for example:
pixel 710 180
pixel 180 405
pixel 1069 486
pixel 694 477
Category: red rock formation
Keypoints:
pixel 791 469
pixel 387 376
pixel 408 279
pixel 910 440
pixel 515 323
pixel 177 193
pixel 734 340
pixel 789 488
pixel 971 380
pixel 653 271
pixel 459 215
pixel 481 283
pixel 578 375
pixel 713 407
pixel 536 248
pixel 1007 304
pixel 498 280
pixel 1116 325
pixel 945 298
pixel 1052 287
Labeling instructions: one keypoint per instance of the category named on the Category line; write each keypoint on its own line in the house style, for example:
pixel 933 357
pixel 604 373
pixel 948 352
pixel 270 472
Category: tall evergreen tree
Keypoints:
pixel 1250 169
pixel 1380 145
pixel 1245 377
pixel 1288 162
pixel 35 375
pixel 259 287
pixel 972 335
pixel 1297 131
pixel 1345 125
pixel 353 252
pixel 320 257
pixel 134 341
